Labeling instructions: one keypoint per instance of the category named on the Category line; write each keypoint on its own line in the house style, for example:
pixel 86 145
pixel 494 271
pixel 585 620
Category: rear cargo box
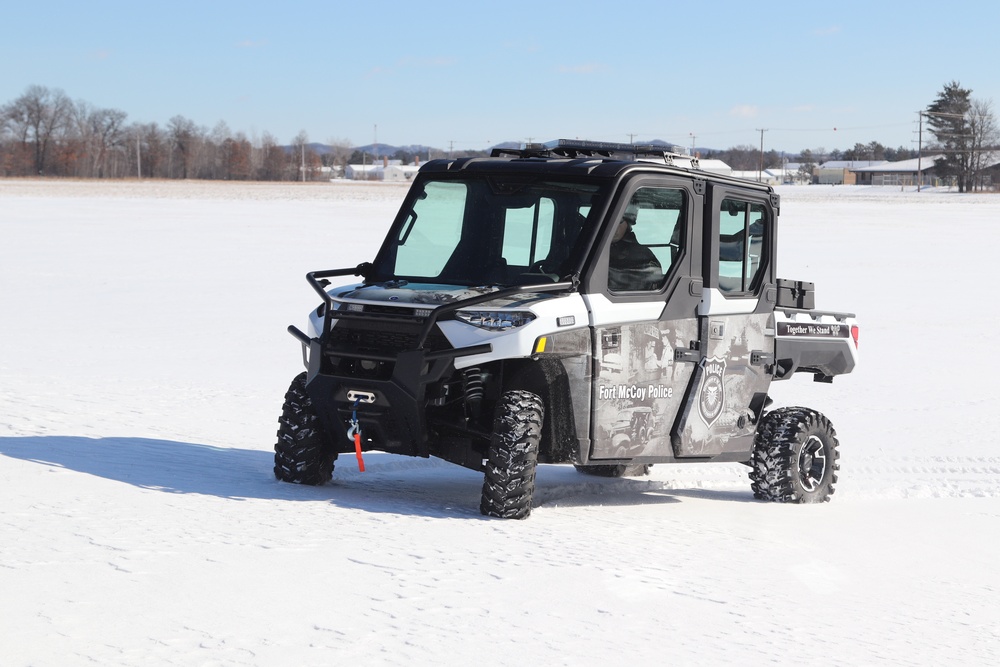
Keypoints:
pixel 796 294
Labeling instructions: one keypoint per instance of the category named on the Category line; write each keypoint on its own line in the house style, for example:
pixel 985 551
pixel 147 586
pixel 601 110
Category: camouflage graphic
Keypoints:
pixel 639 387
pixel 716 416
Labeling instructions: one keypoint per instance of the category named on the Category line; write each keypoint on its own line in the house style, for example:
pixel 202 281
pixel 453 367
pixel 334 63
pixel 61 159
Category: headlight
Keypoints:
pixel 495 320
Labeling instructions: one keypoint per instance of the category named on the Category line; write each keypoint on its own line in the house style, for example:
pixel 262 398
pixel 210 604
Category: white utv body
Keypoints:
pixel 604 305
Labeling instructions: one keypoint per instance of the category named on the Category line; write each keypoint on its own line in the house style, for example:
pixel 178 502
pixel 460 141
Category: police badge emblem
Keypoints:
pixel 713 390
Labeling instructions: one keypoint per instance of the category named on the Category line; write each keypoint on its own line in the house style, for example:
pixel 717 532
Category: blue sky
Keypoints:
pixel 470 74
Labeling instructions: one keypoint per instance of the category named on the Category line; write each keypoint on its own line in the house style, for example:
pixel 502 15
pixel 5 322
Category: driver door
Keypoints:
pixel 643 295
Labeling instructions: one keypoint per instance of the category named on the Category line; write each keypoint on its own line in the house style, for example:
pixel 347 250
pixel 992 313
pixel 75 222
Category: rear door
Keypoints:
pixel 736 326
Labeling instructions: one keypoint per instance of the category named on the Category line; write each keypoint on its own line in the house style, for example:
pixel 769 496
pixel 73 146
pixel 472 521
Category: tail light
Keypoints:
pixel 854 334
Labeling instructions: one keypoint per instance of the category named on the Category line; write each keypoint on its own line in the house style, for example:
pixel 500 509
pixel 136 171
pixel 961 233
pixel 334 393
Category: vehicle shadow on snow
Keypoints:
pixel 162 465
pixel 563 486
pixel 392 484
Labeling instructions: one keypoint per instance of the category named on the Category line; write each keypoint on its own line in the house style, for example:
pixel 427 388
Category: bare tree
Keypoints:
pixel 106 129
pixel 153 150
pixel 273 161
pixel 299 142
pixel 340 153
pixel 36 117
pixel 740 158
pixel 985 138
pixel 233 154
pixel 239 158
pixel 183 134
pixel 5 143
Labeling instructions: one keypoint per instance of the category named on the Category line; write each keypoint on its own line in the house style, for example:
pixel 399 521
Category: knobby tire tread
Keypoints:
pixel 302 454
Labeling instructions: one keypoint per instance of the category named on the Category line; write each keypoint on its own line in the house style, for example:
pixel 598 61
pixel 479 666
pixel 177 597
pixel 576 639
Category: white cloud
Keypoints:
pixel 744 111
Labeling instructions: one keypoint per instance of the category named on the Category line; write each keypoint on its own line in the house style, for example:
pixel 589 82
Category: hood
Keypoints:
pixel 429 294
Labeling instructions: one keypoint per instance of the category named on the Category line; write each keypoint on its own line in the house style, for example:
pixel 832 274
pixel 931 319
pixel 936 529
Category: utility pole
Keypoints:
pixel 760 171
pixel 691 134
pixel 920 144
pixel 631 137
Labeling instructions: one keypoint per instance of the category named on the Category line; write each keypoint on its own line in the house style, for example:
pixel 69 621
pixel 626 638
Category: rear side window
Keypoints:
pixel 743 229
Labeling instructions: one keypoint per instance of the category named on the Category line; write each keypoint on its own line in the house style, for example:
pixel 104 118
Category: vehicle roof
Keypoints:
pixel 581 159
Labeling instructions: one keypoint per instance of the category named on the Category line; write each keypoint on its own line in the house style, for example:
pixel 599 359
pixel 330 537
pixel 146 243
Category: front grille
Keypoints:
pixel 368 348
pixel 389 310
pixel 382 338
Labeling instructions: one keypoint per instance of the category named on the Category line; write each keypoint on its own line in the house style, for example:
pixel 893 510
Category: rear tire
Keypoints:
pixel 513 456
pixel 795 457
pixel 303 453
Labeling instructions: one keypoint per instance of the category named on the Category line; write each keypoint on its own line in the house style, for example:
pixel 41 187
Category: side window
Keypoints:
pixel 527 234
pixel 647 240
pixel 742 230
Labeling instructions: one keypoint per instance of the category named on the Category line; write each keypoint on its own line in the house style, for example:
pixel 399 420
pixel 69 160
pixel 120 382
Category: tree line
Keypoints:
pixel 748 158
pixel 45 133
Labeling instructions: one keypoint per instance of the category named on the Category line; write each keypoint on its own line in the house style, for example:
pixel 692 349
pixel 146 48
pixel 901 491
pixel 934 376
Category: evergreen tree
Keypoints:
pixel 947 118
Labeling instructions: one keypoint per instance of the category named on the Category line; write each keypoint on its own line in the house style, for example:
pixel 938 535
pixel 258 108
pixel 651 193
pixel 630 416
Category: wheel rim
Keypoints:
pixel 812 464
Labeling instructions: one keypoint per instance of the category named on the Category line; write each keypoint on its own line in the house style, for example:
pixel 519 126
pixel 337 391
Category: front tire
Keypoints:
pixel 795 457
pixel 303 453
pixel 513 456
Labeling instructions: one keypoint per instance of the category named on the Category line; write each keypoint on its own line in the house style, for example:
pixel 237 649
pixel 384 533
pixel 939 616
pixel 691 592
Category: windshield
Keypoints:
pixel 483 230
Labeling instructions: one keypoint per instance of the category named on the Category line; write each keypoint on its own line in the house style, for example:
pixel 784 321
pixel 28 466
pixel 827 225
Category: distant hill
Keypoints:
pixel 389 150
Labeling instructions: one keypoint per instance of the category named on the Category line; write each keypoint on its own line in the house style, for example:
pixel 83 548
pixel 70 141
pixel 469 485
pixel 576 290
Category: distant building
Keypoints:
pixel 903 172
pixel 399 173
pixel 841 172
pixel 756 176
pixel 360 172
pixel 715 166
pixel 794 173
pixel 389 170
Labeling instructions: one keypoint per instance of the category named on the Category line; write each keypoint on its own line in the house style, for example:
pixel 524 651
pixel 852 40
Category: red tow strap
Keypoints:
pixel 357 450
pixel 355 431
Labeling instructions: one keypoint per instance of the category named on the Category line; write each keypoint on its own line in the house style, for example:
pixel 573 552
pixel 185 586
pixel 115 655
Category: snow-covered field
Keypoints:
pixel 143 359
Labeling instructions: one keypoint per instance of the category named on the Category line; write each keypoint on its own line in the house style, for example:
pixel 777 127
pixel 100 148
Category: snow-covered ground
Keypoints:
pixel 143 359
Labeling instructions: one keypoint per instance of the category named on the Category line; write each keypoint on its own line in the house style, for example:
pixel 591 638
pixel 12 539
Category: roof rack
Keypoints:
pixel 576 148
